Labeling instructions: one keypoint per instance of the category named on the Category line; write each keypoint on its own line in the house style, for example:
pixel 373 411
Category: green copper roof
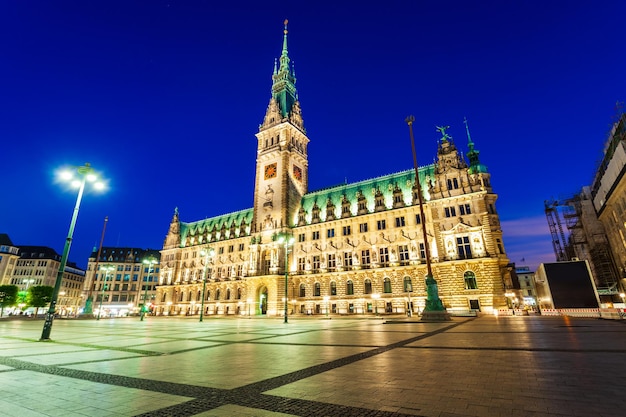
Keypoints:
pixel 475 165
pixel 222 225
pixel 284 81
pixel 403 180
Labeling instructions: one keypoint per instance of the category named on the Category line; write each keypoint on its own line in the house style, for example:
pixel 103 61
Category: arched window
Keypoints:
pixel 387 285
pixel 199 297
pixel 217 294
pixel 317 291
pixel 239 293
pixel 302 290
pixel 333 288
pixel 470 280
pixel 368 286
pixel 228 294
pixel 408 285
pixel 349 287
pixel 208 295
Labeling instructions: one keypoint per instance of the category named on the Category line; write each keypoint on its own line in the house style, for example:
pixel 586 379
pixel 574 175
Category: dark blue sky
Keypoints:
pixel 164 98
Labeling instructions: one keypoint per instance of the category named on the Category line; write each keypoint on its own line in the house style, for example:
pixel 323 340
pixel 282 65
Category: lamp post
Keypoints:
pixel 327 300
pixel 150 261
pixel 207 253
pixel 107 269
pixel 86 174
pixel 433 310
pixel 89 303
pixel 249 305
pixel 286 240
pixel 375 297
pixel 409 290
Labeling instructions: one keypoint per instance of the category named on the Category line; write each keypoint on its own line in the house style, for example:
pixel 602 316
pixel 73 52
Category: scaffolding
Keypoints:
pixel 556 229
pixel 586 239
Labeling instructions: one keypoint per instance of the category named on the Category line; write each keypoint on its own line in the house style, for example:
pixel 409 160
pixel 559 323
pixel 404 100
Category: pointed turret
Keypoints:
pixel 284 81
pixel 475 165
pixel 172 240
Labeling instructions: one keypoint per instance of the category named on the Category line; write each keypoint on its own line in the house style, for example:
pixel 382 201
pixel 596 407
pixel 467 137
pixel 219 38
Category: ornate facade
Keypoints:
pixel 351 249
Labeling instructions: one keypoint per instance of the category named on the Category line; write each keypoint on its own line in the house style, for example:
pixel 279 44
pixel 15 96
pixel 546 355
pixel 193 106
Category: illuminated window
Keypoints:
pixel 387 285
pixel 368 286
pixel 316 262
pixel 384 256
pixel 470 280
pixel 465 209
pixel 347 259
pixel 365 257
pixel 463 247
pixel 403 254
pixel 332 262
pixel 349 287
pixel 408 285
pixel 301 264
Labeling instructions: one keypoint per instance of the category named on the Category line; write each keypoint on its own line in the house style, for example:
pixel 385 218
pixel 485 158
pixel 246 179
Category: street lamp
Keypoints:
pixel 249 305
pixel 287 241
pixel 327 299
pixel 433 310
pixel 86 174
pixel 150 261
pixel 207 253
pixel 375 297
pixel 107 269
pixel 409 290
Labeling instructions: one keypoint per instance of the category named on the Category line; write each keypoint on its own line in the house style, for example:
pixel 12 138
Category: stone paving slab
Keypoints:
pixel 487 366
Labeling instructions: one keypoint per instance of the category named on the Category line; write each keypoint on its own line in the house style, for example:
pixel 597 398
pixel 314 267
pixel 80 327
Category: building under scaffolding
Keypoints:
pixel 577 234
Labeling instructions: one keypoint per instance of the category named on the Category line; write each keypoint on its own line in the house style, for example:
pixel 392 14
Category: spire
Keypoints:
pixel 475 165
pixel 284 80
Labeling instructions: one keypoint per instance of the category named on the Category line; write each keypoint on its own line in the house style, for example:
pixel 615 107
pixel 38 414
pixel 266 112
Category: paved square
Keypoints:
pixel 486 366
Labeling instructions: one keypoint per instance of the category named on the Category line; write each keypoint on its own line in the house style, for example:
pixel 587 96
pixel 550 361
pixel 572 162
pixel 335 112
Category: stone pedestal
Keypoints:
pixel 436 316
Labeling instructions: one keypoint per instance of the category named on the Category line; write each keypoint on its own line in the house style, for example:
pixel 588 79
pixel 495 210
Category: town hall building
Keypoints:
pixel 356 248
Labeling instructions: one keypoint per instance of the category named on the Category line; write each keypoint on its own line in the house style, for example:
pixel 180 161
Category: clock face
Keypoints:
pixel 270 171
pixel 297 173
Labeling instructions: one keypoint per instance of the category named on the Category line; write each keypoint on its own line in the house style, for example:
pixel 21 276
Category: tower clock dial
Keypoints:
pixel 270 171
pixel 297 173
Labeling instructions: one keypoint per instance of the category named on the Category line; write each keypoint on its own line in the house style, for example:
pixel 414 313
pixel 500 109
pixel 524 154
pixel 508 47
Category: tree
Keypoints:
pixel 8 296
pixel 40 296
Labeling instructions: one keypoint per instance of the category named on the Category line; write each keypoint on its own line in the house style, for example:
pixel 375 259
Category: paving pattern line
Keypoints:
pixel 203 399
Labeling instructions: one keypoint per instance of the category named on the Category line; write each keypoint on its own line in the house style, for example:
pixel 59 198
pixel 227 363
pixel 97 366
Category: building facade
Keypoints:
pixel 39 265
pixel 356 248
pixel 121 280
pixel 9 254
pixel 609 196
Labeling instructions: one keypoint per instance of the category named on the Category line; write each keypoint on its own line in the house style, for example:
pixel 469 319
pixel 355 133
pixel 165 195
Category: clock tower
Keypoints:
pixel 281 164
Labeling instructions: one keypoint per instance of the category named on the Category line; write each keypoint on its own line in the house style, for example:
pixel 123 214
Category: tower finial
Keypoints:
pixel 285 39
pixel 470 144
